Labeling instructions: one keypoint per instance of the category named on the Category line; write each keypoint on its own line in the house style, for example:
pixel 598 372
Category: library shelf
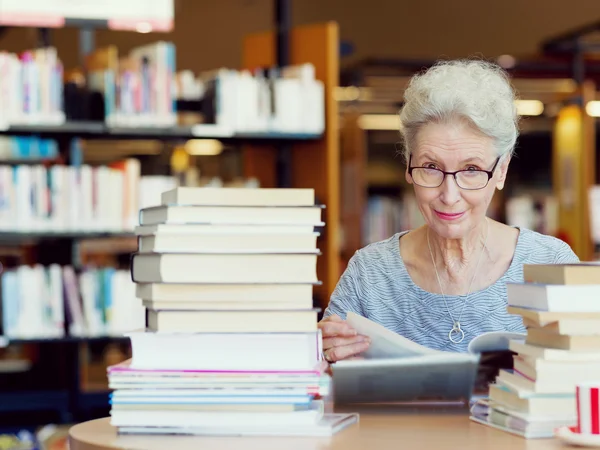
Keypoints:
pixel 99 130
pixel 67 404
pixel 18 237
pixel 6 341
pixel 35 400
pixel 93 400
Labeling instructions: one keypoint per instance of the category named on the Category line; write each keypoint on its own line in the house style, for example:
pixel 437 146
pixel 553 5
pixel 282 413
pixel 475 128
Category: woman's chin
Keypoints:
pixel 446 230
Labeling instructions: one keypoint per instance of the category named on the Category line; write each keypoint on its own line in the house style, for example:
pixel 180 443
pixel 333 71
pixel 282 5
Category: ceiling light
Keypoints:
pixel 506 61
pixel 529 107
pixel 203 147
pixel 379 122
pixel 593 108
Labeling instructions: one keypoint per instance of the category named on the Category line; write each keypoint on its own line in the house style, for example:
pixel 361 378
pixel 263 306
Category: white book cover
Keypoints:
pixel 25 210
pixel 56 300
pixel 329 425
pixel 89 291
pixel 87 202
pixel 75 196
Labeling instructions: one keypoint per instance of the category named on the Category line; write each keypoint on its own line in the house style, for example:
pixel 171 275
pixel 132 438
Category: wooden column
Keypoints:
pixel 353 196
pixel 315 164
pixel 574 171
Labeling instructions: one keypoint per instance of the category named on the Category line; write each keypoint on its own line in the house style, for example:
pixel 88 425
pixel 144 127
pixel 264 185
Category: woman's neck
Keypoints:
pixel 458 257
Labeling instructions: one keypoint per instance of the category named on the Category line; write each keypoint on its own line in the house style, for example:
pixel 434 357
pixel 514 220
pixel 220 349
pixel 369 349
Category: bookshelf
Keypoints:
pixel 98 130
pixel 65 357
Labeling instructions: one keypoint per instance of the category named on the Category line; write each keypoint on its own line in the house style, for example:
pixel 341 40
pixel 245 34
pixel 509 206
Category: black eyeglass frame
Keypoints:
pixel 490 174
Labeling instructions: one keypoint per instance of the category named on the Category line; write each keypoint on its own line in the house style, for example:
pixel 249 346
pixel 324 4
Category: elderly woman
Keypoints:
pixel 444 283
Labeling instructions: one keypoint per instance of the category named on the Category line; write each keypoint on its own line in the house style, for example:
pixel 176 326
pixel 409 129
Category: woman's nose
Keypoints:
pixel 450 190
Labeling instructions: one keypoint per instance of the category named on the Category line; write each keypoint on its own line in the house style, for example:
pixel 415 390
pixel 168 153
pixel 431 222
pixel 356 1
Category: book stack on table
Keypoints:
pixel 560 306
pixel 231 344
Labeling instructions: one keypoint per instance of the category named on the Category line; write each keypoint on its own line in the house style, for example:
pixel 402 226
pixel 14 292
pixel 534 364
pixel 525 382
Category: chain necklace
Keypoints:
pixel 456 334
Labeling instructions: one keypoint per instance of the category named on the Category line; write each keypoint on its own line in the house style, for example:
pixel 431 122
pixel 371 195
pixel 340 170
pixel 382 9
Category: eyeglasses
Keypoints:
pixel 465 179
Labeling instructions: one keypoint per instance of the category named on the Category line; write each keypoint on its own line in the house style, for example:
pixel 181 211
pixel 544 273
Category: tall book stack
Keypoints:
pixel 231 344
pixel 560 306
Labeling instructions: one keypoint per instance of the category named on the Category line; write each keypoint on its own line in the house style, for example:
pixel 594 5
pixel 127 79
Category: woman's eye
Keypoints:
pixel 472 168
pixel 430 166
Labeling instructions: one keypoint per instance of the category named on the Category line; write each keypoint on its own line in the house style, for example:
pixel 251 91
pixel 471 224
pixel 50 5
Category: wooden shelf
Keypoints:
pixel 98 130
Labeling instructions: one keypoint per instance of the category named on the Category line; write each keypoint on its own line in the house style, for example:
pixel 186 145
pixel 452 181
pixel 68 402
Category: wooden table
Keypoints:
pixel 379 429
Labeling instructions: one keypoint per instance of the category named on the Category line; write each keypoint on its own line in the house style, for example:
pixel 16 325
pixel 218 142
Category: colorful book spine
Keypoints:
pixel 52 302
pixel 31 88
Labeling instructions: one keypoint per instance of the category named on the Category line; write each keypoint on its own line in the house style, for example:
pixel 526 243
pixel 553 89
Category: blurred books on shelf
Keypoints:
pixel 27 148
pixel 69 198
pixel 60 198
pixel 232 345
pixel 536 211
pixel 37 303
pixel 31 88
pixel 141 88
pixel 286 100
pixel 137 89
pixel 558 304
pixel 388 215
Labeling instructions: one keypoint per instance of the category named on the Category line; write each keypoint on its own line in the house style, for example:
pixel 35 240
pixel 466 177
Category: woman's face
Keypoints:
pixel 448 209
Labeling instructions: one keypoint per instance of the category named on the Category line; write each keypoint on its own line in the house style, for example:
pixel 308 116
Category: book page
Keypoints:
pixel 494 341
pixel 385 343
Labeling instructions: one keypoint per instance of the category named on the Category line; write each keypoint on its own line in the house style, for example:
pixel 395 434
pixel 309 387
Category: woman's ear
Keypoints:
pixel 503 170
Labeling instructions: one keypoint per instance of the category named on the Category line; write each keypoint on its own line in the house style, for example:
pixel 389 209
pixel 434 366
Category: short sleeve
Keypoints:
pixel 345 296
pixel 565 255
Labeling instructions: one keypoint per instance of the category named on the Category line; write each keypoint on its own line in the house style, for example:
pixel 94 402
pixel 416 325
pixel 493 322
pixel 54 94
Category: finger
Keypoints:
pixel 338 341
pixel 338 353
pixel 330 329
pixel 334 318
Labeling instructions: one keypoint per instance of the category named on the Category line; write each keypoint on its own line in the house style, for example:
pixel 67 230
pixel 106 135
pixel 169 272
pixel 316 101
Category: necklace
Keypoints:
pixel 456 334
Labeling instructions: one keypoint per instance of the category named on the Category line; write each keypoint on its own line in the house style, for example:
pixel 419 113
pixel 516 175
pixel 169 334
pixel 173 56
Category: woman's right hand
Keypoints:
pixel 340 340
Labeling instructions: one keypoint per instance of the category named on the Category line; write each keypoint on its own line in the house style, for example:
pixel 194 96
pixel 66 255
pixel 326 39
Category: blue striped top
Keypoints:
pixel 376 285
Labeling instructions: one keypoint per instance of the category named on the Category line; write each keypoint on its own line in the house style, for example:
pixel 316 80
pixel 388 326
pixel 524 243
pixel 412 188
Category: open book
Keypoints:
pixel 387 344
pixel 396 369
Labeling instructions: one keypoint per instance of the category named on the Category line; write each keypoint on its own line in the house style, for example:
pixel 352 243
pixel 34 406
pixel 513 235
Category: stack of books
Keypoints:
pixel 560 307
pixel 231 344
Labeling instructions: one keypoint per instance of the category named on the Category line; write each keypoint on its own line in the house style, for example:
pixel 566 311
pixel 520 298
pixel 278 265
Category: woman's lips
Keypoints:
pixel 448 216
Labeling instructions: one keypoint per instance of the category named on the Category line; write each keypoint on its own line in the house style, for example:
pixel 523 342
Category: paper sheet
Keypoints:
pixel 494 341
pixel 385 343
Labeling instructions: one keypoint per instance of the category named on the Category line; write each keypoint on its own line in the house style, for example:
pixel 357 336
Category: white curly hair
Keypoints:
pixel 473 90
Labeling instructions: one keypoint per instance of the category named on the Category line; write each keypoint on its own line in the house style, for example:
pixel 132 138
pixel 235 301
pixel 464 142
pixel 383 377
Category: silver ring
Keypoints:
pixel 460 332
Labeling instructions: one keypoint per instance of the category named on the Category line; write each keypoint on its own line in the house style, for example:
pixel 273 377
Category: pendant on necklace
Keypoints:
pixel 456 334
